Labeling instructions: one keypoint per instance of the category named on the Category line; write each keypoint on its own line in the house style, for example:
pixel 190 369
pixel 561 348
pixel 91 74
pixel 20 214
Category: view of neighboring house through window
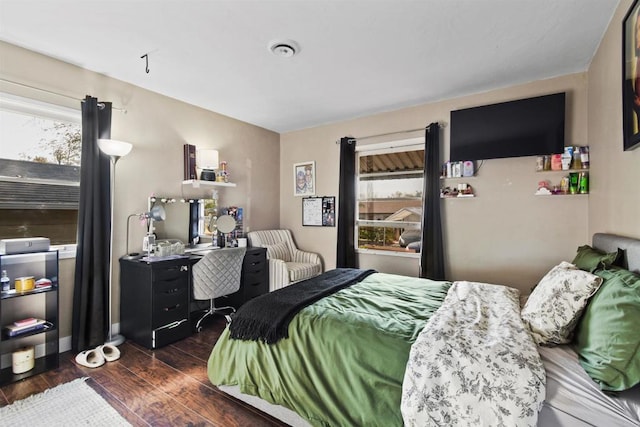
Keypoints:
pixel 389 192
pixel 40 150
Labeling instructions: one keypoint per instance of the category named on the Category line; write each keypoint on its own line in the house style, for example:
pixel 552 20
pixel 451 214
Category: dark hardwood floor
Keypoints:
pixel 163 387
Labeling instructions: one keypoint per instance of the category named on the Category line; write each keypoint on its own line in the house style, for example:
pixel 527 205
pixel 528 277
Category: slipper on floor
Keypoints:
pixel 90 358
pixel 109 352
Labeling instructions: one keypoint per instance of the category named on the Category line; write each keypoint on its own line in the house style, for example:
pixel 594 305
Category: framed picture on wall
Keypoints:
pixel 304 179
pixel 631 78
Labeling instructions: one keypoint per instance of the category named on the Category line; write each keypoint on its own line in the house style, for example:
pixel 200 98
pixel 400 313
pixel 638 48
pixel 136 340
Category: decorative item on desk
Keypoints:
pixel 225 224
pixel 539 163
pixel 156 213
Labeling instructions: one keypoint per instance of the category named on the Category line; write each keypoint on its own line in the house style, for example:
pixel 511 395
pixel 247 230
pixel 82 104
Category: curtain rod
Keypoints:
pixel 123 110
pixel 440 124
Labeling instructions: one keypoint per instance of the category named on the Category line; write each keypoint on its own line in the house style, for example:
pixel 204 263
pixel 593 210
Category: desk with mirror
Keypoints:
pixel 156 293
pixel 156 302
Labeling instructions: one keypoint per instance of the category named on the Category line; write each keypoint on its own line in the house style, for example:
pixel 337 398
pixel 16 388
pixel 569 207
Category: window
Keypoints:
pixel 40 150
pixel 390 185
pixel 207 216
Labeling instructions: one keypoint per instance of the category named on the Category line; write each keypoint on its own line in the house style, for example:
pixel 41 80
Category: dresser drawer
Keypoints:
pixel 255 285
pixel 254 254
pixel 166 310
pixel 255 260
pixel 171 332
pixel 171 272
pixel 170 300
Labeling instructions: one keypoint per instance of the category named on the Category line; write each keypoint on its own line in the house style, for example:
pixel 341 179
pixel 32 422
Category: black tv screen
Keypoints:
pixel 525 127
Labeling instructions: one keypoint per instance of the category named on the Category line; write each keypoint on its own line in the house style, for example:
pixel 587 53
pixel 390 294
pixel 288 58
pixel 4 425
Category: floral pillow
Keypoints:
pixel 278 251
pixel 555 305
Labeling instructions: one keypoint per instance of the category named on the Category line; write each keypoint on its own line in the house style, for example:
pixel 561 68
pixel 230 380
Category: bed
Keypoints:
pixel 352 358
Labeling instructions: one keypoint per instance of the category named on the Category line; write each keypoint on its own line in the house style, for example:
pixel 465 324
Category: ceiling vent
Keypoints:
pixel 284 48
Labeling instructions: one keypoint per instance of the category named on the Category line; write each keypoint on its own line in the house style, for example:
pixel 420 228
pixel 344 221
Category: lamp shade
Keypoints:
pixel 112 147
pixel 157 213
pixel 207 159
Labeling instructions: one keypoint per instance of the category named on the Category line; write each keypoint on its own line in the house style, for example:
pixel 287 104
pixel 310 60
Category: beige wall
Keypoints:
pixel 614 203
pixel 157 126
pixel 504 235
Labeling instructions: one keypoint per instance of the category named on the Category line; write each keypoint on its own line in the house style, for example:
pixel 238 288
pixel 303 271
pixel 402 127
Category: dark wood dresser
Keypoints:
pixel 155 297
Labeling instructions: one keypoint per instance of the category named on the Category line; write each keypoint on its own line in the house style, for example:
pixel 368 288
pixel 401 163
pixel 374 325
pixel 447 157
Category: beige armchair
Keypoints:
pixel 287 263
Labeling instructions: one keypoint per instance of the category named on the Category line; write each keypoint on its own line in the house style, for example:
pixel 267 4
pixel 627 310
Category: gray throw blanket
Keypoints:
pixel 267 317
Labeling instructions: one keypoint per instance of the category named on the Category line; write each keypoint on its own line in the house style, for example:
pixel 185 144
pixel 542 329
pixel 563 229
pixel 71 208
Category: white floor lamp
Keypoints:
pixel 114 149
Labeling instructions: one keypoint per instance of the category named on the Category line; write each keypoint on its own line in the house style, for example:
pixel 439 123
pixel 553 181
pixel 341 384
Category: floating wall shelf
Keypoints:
pixel 197 183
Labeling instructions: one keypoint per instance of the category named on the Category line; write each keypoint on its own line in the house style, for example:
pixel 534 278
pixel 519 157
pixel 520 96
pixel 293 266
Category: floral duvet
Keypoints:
pixel 474 363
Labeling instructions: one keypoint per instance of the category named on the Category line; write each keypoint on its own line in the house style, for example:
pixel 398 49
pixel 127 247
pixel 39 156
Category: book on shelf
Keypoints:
pixel 190 162
pixel 26 322
pixel 14 331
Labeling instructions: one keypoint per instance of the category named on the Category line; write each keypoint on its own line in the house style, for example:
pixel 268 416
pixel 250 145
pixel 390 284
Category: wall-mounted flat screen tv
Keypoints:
pixel 525 127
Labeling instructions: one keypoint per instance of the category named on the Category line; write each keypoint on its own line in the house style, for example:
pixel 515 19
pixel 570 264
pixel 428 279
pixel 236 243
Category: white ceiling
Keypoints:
pixel 356 58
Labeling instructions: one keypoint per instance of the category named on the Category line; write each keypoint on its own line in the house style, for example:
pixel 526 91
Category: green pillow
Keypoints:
pixel 607 339
pixel 590 259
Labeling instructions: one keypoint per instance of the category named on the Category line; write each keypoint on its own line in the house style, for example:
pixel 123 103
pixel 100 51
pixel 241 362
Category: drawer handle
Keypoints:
pixel 178 267
pixel 172 291
pixel 172 307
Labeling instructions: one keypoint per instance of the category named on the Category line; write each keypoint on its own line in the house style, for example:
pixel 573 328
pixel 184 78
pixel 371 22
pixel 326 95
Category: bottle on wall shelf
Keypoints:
pixel 6 282
pixel 584 156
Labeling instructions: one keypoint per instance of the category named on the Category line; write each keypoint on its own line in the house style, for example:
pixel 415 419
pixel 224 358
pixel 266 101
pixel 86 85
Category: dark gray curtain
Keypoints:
pixel 91 290
pixel 431 254
pixel 346 251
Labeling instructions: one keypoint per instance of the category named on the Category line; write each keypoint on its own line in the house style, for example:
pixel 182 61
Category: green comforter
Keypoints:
pixel 345 357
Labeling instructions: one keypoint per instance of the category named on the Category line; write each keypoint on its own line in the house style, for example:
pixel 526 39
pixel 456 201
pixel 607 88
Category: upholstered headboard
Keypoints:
pixel 611 242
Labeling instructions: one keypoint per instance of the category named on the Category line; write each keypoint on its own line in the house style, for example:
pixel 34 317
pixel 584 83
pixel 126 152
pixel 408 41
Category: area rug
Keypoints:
pixel 69 404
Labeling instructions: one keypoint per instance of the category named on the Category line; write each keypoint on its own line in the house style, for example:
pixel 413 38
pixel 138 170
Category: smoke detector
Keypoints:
pixel 284 48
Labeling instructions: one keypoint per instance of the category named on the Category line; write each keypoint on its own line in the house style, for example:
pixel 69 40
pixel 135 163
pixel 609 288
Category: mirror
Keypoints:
pixel 226 224
pixel 176 222
pixel 194 221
